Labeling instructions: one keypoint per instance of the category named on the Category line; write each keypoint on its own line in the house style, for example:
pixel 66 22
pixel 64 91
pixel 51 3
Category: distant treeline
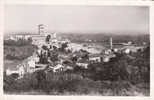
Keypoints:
pixel 138 39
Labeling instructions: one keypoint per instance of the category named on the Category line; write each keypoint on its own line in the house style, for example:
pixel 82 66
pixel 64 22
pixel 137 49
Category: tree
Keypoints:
pixel 64 45
pixel 48 38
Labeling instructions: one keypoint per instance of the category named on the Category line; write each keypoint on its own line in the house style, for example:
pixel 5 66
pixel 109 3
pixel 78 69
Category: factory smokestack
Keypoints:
pixel 111 45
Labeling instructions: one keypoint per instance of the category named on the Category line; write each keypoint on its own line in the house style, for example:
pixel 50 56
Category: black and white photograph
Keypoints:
pixel 76 50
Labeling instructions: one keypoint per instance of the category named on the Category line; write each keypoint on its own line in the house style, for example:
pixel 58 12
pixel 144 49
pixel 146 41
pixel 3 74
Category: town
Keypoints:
pixel 60 55
pixel 51 62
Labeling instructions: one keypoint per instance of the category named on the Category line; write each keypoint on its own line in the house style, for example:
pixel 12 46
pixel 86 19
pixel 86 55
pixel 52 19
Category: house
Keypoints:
pixel 38 39
pixel 82 65
pixel 107 52
pixel 106 59
pixel 128 49
pixel 19 70
pixel 67 67
pixel 115 50
pixel 31 63
pixel 26 37
pixel 19 37
pixel 12 38
pixel 95 57
pixel 10 72
pixel 58 67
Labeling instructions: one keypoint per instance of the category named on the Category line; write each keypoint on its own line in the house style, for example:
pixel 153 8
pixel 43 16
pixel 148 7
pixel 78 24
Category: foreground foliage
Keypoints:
pixel 72 84
pixel 124 75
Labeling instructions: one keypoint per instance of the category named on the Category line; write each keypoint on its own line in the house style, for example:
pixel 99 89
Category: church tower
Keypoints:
pixel 41 29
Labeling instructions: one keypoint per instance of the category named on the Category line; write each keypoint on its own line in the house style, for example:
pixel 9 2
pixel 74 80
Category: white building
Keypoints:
pixel 106 59
pixel 12 38
pixel 26 37
pixel 95 59
pixel 83 65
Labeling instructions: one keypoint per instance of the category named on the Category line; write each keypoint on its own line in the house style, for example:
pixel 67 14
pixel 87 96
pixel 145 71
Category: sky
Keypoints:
pixel 77 19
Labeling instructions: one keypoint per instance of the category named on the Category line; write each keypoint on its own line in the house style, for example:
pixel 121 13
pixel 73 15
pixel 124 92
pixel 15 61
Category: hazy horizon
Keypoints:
pixel 77 19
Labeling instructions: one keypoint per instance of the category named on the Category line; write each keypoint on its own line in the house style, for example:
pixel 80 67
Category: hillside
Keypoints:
pixel 122 76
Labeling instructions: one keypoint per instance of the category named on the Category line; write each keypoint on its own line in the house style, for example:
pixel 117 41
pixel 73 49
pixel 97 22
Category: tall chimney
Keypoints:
pixel 111 45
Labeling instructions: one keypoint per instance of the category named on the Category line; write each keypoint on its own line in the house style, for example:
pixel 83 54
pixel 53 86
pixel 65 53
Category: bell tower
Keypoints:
pixel 41 29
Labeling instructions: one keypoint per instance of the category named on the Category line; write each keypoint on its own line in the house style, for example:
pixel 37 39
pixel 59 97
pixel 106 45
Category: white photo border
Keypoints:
pixel 86 3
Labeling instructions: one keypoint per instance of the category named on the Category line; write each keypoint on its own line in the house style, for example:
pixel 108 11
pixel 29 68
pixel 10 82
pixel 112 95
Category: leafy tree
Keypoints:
pixel 64 45
pixel 48 38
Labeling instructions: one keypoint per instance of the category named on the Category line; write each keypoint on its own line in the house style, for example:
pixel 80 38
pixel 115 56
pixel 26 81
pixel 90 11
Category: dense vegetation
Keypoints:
pixel 124 75
pixel 18 50
pixel 71 84
pixel 135 68
pixel 20 42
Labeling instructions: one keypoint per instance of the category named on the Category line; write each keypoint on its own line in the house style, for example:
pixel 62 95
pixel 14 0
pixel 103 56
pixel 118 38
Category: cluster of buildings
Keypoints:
pixel 62 55
pixel 17 37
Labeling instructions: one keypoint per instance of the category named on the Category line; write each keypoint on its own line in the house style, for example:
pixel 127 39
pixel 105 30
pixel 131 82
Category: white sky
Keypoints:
pixel 85 19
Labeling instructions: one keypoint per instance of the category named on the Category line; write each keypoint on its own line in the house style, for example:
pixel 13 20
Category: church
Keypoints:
pixel 39 39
